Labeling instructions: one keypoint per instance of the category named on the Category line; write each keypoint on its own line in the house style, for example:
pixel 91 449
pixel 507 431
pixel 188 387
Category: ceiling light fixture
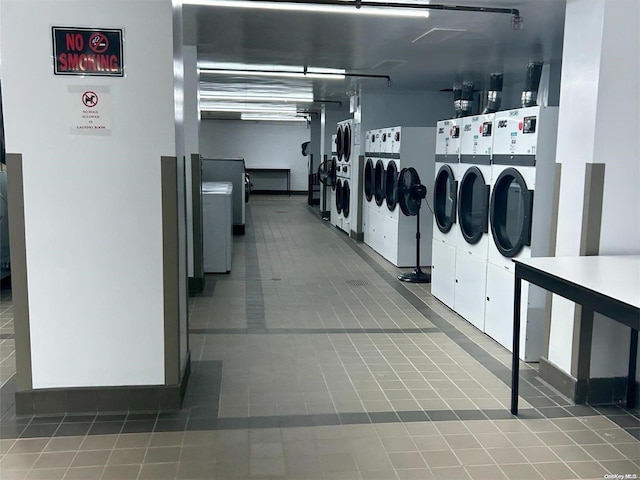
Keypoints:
pixel 288 109
pixel 255 97
pixel 273 73
pixel 272 118
pixel 356 8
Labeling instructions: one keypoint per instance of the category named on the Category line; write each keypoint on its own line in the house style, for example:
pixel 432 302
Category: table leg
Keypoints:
pixel 515 361
pixel 633 358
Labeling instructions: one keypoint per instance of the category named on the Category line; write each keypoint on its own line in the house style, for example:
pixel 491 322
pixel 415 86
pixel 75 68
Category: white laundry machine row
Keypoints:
pixel 524 148
pixel 472 243
pixel 345 201
pixel 390 233
pixel 445 201
pixel 335 216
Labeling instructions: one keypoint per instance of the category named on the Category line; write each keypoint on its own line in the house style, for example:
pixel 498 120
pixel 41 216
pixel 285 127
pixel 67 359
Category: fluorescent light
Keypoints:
pixel 267 73
pixel 248 107
pixel 253 97
pixel 348 8
pixel 271 118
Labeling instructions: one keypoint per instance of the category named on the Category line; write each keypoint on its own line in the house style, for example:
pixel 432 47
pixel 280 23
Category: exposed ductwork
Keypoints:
pixel 532 82
pixel 463 99
pixel 494 94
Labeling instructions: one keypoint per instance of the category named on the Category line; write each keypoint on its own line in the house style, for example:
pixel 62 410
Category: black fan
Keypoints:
pixel 410 195
pixel 327 173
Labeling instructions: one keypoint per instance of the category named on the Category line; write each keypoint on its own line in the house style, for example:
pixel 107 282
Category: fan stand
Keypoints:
pixel 417 275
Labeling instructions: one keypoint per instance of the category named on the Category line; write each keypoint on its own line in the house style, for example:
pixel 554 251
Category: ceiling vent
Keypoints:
pixel 438 35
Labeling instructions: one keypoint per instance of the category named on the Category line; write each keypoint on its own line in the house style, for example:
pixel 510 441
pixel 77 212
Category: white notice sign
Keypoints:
pixel 90 112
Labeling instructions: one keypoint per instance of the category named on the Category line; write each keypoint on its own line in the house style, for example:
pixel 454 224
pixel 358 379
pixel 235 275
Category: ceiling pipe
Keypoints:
pixel 304 73
pixel 514 12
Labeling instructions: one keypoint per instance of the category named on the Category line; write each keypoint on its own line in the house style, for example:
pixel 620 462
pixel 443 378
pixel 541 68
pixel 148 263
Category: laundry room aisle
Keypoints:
pixel 310 361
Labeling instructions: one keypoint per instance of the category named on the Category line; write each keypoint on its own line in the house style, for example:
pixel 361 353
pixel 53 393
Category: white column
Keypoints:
pixel 92 203
pixel 598 123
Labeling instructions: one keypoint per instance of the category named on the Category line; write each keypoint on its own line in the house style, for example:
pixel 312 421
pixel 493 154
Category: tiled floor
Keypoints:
pixel 311 361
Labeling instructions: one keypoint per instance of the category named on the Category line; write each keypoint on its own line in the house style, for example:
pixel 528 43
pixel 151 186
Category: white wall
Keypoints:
pixel 381 109
pixel 92 203
pixel 598 123
pixel 261 144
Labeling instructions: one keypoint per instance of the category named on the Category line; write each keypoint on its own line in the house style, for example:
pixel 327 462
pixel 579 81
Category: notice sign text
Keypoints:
pixel 90 110
pixel 87 51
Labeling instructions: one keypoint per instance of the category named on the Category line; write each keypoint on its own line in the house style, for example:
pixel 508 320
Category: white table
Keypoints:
pixel 609 285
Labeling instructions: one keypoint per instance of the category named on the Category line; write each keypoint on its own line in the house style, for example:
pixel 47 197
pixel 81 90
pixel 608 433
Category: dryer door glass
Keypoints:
pixel 346 199
pixel 339 143
pixel 473 205
pixel 511 209
pixel 391 185
pixel 339 196
pixel 378 181
pixel 444 199
pixel 368 180
pixel 346 143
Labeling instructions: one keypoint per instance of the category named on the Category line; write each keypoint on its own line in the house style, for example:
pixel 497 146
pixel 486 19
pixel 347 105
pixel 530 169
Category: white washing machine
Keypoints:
pixel 445 198
pixel 476 143
pixel 335 216
pixel 395 236
pixel 520 222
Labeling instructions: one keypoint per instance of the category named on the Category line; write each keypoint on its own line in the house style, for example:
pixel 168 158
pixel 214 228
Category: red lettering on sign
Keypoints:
pixel 74 42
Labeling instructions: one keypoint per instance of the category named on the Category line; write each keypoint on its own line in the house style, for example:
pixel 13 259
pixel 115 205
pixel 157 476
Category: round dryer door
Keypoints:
pixel 445 198
pixel 346 143
pixel 346 198
pixel 391 185
pixel 339 196
pixel 378 181
pixel 339 142
pixel 333 173
pixel 473 205
pixel 511 209
pixel 368 180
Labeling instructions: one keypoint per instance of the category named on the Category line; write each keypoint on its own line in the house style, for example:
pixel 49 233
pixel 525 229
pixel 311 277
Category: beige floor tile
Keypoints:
pixel 554 471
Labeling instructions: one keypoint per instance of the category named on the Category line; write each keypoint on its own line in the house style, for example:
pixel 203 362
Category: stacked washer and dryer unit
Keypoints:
pixel 345 186
pixel 335 217
pixel 388 231
pixel 486 214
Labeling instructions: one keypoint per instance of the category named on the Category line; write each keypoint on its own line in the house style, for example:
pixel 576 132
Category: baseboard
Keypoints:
pixel 357 236
pixel 144 398
pixel 196 285
pixel 592 391
pixel 238 229
pixel 325 215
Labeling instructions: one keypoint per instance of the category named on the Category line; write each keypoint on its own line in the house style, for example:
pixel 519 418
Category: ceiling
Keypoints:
pixel 462 46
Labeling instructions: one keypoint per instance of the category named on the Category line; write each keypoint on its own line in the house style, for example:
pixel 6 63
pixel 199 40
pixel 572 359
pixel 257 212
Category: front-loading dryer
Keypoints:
pixel 445 198
pixel 371 148
pixel 472 244
pixel 520 220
